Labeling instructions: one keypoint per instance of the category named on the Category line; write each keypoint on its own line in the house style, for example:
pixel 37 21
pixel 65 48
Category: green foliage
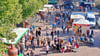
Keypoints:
pixel 30 7
pixel 2 48
pixel 12 12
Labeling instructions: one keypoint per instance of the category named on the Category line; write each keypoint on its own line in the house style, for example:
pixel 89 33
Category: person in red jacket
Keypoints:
pixel 80 8
pixel 42 17
pixel 56 19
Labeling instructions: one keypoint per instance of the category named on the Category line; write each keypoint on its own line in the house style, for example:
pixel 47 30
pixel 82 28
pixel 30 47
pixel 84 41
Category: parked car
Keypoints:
pixel 98 22
pixel 91 18
pixel 68 5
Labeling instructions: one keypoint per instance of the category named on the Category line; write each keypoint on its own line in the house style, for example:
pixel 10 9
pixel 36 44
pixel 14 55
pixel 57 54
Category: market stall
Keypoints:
pixel 84 24
pixel 75 16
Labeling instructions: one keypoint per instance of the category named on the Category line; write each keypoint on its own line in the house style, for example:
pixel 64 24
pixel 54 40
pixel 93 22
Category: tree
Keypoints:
pixel 10 14
pixel 2 48
pixel 30 7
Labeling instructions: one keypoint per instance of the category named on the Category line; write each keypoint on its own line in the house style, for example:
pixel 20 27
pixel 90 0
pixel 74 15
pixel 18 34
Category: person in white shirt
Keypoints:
pixel 47 49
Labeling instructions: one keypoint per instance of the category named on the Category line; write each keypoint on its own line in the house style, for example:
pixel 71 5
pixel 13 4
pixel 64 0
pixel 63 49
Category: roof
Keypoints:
pixel 20 32
pixel 81 22
pixel 89 12
pixel 88 2
pixel 49 6
pixel 77 15
pixel 90 15
pixel 43 10
pixel 53 2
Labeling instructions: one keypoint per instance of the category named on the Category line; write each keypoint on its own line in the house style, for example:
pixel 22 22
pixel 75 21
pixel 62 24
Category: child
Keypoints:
pixel 47 49
pixel 77 46
pixel 68 49
pixel 63 49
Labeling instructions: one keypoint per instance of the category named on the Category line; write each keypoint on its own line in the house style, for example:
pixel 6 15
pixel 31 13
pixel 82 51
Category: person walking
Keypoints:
pixel 58 33
pixel 37 33
pixel 33 44
pixel 53 25
pixel 70 40
pixel 56 19
pixel 47 49
pixel 34 27
pixel 47 31
pixel 55 40
pixel 22 49
pixel 63 28
pixel 42 16
pixel 92 32
pixel 31 29
pixel 58 47
pixel 55 31
pixel 38 42
pixel 27 45
pixel 77 46
pixel 52 34
pixel 31 53
pixel 67 30
pixel 80 8
pixel 48 40
pixel 63 49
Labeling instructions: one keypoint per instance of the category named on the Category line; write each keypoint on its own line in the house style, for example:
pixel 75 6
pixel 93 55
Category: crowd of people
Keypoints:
pixel 51 40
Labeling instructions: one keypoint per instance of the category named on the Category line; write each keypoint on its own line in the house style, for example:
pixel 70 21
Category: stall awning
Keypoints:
pixel 20 32
pixel 43 10
pixel 77 15
pixel 81 22
pixel 48 6
pixel 53 2
pixel 88 2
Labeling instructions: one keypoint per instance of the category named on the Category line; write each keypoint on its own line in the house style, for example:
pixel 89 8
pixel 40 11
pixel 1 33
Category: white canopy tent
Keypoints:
pixel 20 32
pixel 43 10
pixel 83 23
pixel 48 6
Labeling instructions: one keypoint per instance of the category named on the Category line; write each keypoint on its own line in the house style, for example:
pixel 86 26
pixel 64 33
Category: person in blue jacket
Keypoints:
pixel 34 27
pixel 70 40
pixel 53 25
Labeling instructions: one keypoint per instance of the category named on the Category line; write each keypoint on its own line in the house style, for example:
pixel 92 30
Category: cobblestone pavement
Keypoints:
pixel 83 50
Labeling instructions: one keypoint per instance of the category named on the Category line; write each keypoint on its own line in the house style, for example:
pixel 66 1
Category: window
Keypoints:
pixel 91 19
